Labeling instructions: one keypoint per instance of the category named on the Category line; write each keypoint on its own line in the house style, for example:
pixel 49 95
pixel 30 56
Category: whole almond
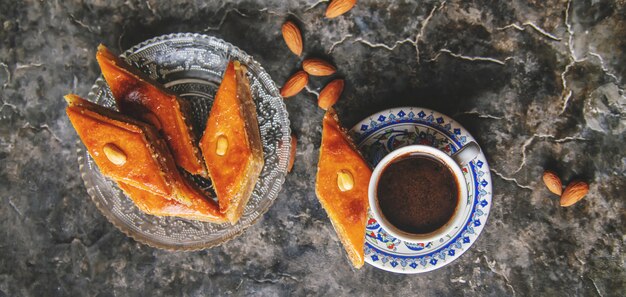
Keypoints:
pixel 293 37
pixel 221 146
pixel 330 94
pixel 294 84
pixel 574 192
pixel 114 153
pixel 318 67
pixel 345 180
pixel 339 7
pixel 292 152
pixel 553 182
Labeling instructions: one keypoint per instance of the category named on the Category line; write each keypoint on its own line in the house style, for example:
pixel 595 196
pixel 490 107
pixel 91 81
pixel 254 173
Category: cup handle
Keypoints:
pixel 466 154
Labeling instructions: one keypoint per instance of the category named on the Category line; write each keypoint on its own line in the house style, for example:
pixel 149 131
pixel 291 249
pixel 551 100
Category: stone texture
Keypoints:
pixel 539 83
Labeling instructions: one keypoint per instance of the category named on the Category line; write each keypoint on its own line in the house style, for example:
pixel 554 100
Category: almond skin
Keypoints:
pixel 553 182
pixel 573 193
pixel 330 94
pixel 318 67
pixel 339 7
pixel 292 152
pixel 293 37
pixel 294 84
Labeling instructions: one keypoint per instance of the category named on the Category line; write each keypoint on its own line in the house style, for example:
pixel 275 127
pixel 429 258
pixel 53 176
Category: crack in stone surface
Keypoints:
pixel 414 42
pixel 275 279
pixel 458 280
pixel 6 69
pixel 382 45
pixel 566 92
pixel 419 35
pixel 153 10
pixel 533 26
pixel 524 146
pixel 311 91
pixel 608 72
pixel 80 23
pixel 269 11
pixel 530 140
pixel 332 47
pixel 573 57
pixel 603 66
pixel 469 58
pixel 513 25
pixel 19 66
pixel 17 210
pixel 561 140
pixel 300 215
pixel 570 32
pixel 315 5
pixel 287 275
pixel 5 104
pixel 239 285
pixel 510 179
pixel 480 115
pixel 42 127
pixel 595 287
pixel 565 100
pixel 288 13
pixel 223 19
pixel 492 266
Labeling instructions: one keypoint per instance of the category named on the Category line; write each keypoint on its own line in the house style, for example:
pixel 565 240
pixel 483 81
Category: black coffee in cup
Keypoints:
pixel 417 194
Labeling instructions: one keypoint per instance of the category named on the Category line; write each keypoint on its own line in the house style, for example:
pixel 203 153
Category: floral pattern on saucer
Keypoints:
pixel 388 130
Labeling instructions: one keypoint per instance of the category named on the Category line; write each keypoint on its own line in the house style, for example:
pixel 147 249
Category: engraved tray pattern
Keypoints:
pixel 191 65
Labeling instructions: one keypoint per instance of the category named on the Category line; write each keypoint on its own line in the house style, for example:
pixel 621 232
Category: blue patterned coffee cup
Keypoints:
pixel 454 163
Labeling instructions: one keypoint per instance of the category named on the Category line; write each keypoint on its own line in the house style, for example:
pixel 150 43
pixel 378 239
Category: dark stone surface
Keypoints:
pixel 539 83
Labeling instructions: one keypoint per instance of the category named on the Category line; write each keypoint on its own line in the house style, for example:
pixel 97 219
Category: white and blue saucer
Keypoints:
pixel 385 131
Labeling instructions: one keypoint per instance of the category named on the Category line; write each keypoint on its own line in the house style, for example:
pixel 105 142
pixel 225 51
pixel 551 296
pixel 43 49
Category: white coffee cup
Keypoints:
pixel 454 163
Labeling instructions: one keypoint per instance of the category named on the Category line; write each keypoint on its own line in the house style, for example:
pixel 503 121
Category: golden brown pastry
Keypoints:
pixel 341 187
pixel 140 97
pixel 127 150
pixel 201 208
pixel 231 144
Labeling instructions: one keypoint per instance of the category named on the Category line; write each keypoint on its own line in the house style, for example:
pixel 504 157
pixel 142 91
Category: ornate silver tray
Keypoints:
pixel 191 65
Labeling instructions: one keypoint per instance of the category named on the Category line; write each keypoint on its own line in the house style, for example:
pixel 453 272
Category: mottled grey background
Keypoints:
pixel 539 83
